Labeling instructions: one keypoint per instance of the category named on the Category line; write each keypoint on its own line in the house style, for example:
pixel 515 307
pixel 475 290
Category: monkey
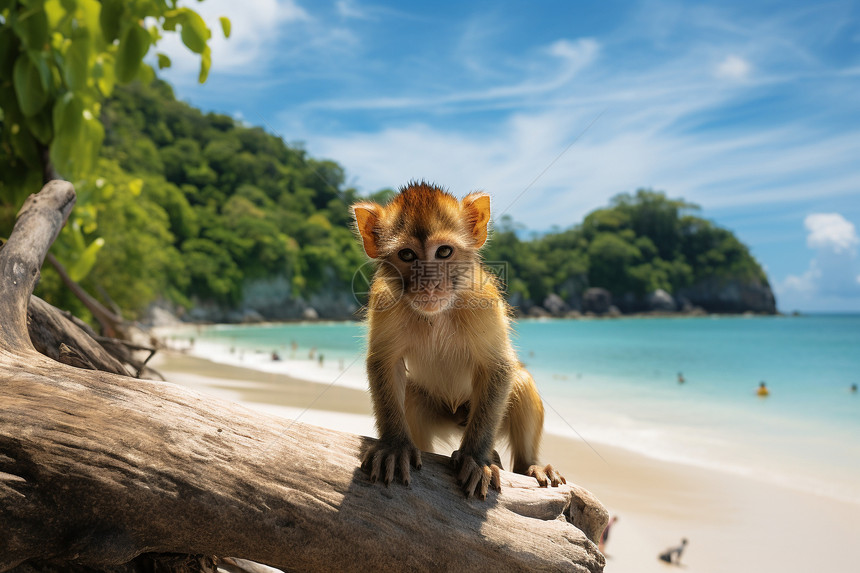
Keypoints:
pixel 440 358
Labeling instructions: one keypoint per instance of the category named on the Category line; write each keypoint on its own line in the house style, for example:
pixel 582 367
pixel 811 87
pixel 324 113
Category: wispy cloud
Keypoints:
pixel 572 57
pixel 351 9
pixel 734 68
pixel 649 136
pixel 656 130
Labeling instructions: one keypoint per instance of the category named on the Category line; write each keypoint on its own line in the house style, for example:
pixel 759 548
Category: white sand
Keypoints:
pixel 734 524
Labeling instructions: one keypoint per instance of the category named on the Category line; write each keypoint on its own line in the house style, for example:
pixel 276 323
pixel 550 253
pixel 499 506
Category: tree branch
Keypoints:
pixel 106 319
pixel 98 468
pixel 39 222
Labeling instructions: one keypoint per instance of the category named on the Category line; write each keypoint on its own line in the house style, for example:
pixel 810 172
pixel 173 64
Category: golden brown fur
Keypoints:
pixel 440 356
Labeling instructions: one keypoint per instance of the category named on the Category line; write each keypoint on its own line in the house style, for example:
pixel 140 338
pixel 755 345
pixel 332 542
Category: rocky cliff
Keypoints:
pixel 272 299
pixel 717 294
pixel 713 295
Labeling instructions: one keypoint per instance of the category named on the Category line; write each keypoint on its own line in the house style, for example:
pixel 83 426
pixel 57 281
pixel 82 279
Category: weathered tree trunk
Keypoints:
pixel 97 468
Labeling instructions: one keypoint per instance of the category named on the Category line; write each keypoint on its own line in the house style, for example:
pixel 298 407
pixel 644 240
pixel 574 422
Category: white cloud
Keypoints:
pixel 572 57
pixel 578 53
pixel 255 28
pixel 831 230
pixel 806 283
pixel 832 273
pixel 733 68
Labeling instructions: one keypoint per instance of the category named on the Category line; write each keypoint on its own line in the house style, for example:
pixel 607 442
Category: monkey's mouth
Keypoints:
pixel 431 302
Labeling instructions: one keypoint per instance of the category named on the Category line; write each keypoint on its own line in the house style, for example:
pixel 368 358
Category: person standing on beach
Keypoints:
pixel 605 537
pixel 673 554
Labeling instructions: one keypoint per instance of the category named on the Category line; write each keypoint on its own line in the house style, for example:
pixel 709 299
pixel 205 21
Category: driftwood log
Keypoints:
pixel 97 468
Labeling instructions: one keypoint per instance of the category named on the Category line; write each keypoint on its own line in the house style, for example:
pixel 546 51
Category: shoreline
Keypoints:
pixel 572 315
pixel 598 419
pixel 733 522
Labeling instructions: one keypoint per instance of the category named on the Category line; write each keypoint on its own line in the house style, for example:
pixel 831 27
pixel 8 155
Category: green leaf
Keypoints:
pixel 68 115
pixel 110 18
pixel 172 18
pixel 163 61
pixel 205 64
pixel 103 73
pixel 25 146
pixel 194 32
pixel 32 27
pixel 225 25
pixel 31 78
pixel 132 48
pixel 77 63
pixel 87 259
pixel 55 12
pixel 145 74
pixel 87 16
pixel 40 126
pixel 77 236
pixel 9 104
pixel 135 186
pixel 92 135
pixel 75 149
pixel 8 51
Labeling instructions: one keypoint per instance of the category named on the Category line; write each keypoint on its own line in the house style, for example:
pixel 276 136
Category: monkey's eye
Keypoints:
pixel 407 255
pixel 444 252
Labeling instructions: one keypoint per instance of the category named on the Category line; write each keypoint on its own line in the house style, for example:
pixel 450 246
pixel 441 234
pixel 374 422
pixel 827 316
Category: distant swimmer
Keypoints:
pixel 762 390
pixel 854 388
pixel 681 378
pixel 673 554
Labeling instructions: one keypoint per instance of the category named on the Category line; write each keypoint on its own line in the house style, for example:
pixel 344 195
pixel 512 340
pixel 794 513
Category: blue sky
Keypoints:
pixel 750 109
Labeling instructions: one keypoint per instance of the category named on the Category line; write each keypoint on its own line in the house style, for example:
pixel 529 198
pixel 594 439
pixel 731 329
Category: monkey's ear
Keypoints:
pixel 477 208
pixel 366 217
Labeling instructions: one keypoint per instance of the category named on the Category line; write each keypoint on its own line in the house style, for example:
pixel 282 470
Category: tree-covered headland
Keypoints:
pixel 639 244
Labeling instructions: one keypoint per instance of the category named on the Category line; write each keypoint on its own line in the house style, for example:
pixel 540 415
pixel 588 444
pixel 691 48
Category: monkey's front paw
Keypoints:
pixel 546 476
pixel 390 456
pixel 476 476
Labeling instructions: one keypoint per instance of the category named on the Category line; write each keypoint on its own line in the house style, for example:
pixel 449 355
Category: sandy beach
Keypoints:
pixel 733 523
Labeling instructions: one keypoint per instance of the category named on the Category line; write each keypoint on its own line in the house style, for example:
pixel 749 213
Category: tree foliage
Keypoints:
pixel 59 60
pixel 217 204
pixel 640 243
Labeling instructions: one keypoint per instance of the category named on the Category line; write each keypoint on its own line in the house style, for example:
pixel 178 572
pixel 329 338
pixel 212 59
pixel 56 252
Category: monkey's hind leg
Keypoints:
pixel 523 426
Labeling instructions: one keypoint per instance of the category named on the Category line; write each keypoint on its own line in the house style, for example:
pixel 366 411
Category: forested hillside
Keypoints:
pixel 205 215
pixel 193 207
pixel 639 244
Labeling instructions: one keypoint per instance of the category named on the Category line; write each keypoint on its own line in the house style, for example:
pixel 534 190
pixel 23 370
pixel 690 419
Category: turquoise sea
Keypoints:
pixel 616 382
